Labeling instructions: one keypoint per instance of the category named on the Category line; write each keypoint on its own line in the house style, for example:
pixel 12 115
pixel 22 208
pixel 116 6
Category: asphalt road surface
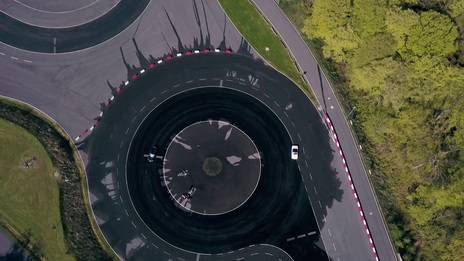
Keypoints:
pixel 279 212
pixel 327 99
pixel 73 87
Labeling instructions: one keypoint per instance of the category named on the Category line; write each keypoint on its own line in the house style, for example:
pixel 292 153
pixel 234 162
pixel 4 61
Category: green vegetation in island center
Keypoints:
pixel 261 37
pixel 212 166
pixel 29 193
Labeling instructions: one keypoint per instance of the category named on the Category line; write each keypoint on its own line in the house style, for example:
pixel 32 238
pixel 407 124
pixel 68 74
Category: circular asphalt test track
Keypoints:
pixel 49 40
pixel 151 111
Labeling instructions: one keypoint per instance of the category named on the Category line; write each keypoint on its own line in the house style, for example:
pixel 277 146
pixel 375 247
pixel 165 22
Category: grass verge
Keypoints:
pixel 260 34
pixel 29 197
pixel 82 237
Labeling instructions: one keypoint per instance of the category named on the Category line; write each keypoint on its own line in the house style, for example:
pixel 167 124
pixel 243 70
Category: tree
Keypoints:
pixel 399 23
pixel 372 48
pixel 435 34
pixel 368 17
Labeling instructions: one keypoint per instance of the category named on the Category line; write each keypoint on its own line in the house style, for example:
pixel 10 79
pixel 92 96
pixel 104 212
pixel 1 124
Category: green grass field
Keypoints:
pixel 29 198
pixel 259 35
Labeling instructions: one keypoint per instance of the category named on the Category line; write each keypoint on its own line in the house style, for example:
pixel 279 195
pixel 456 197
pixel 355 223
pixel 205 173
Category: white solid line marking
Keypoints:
pixel 315 190
pixel 266 95
pixel 142 108
pixel 300 236
pixel 134 119
pixel 153 99
pixel 126 212
pixel 121 199
pixel 198 257
pixel 134 224
pixel 299 168
pixel 189 81
pixel 269 254
pixel 334 246
pixel 299 136
pixel 27 61
pixel 164 91
pixel 330 234
pixel 306 163
pixel 14 58
pixel 277 104
pixel 143 236
pixel 154 245
pixel 121 143
pixel 320 204
pixel 310 176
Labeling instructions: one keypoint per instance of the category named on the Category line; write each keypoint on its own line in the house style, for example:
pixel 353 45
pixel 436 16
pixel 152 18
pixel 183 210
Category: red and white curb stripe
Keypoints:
pixel 217 50
pixel 352 186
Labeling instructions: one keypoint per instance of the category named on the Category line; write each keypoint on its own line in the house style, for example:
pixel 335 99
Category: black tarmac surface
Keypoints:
pixel 276 214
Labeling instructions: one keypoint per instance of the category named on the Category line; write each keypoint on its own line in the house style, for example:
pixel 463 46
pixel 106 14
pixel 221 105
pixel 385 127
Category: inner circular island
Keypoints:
pixel 211 167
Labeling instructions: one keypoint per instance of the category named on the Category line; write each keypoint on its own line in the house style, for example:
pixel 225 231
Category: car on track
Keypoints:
pixel 151 154
pixel 184 173
pixel 294 152
pixel 189 194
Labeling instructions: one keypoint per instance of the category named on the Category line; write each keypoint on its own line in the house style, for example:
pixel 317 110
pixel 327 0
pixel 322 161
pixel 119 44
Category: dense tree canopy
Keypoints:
pixel 403 61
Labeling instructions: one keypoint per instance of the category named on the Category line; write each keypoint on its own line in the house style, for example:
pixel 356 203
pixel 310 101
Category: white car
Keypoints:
pixel 294 152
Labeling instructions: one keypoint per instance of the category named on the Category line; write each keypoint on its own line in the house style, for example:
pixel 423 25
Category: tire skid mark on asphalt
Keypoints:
pixel 143 70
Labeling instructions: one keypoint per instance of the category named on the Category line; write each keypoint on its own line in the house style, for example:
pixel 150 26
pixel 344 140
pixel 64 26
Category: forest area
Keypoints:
pixel 401 64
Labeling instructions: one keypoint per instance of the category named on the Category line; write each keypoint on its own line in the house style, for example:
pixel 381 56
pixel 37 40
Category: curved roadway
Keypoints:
pixel 70 108
pixel 292 228
pixel 53 40
pixel 328 100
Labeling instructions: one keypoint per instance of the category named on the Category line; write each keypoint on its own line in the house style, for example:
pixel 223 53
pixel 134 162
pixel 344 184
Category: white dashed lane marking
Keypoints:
pixel 14 58
pixel 134 224
pixel 134 119
pixel 320 204
pixel 306 163
pixel 154 245
pixel 240 258
pixel 121 143
pixel 189 81
pixel 315 190
pixel 228 80
pixel 303 150
pixel 301 236
pixel 143 236
pixel 164 91
pixel 299 137
pixel 310 176
pixel 126 131
pixel 118 157
pixel 142 108
pixel 166 253
pixel 269 254
pixel 276 104
pixel 286 114
pixel 254 254
pixel 330 234
pixel 241 83
pixel 266 95
pixel 27 61
pixel 175 86
pixel 334 246
pixel 2 53
pixel 153 99
pixel 126 212
pixel 202 79
pixel 293 124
